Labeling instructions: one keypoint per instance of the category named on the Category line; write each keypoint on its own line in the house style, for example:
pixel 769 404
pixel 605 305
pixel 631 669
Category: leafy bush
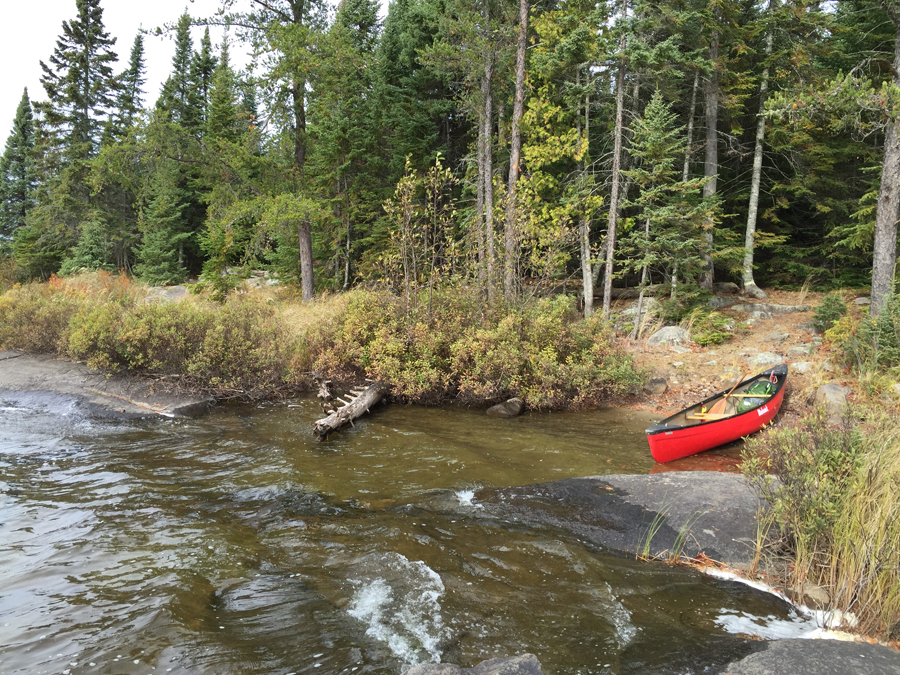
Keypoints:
pixel 828 312
pixel 35 317
pixel 543 353
pixel 447 346
pixel 835 500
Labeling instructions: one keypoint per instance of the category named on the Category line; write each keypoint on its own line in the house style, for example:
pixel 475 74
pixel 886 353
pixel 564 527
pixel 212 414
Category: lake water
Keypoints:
pixel 235 543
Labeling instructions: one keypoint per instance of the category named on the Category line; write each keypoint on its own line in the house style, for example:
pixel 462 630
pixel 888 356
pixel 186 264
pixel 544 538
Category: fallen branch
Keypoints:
pixel 358 405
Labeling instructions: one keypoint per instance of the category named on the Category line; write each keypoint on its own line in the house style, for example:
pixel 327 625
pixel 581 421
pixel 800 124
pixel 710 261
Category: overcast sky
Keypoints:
pixel 29 30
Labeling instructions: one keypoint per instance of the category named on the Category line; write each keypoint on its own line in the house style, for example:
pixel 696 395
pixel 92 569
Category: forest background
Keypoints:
pixel 489 143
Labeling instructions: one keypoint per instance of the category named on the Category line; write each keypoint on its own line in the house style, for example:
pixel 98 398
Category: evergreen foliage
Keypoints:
pixel 92 252
pixel 292 164
pixel 16 173
pixel 161 251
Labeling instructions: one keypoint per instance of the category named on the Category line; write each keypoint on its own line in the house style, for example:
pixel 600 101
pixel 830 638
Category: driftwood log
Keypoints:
pixel 358 404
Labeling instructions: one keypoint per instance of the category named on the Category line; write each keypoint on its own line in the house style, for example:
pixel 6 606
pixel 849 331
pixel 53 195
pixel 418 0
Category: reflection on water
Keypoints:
pixel 236 544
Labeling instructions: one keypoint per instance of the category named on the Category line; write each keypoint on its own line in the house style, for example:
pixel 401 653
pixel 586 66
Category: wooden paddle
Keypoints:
pixel 719 406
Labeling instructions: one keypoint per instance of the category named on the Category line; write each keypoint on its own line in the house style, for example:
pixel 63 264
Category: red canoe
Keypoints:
pixel 694 430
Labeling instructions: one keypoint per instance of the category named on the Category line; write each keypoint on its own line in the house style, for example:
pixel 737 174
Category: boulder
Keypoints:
pixel 758 316
pixel 511 408
pixel 769 308
pixel 656 386
pixel 526 664
pixel 648 306
pixel 801 350
pixel 670 335
pixel 823 657
pixel 896 390
pixel 718 302
pixel 765 360
pixel 862 301
pixel 811 595
pixel 833 397
pixel 801 367
pixel 726 288
pixel 777 338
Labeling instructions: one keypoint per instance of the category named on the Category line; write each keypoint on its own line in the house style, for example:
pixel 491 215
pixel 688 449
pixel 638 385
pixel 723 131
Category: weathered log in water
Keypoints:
pixel 361 400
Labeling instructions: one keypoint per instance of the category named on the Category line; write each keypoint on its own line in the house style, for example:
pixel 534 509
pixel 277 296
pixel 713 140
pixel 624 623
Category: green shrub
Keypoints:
pixel 708 327
pixel 543 353
pixel 828 312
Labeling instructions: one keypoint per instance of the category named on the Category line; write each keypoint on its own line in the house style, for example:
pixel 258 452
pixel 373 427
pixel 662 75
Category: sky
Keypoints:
pixel 28 35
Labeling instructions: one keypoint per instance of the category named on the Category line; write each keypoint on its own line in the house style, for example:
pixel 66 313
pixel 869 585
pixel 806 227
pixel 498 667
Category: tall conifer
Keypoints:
pixel 16 172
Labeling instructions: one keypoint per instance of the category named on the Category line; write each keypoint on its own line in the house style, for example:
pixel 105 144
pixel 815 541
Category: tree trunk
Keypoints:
pixel 360 403
pixel 487 123
pixel 711 164
pixel 304 237
pixel 614 190
pixel 584 226
pixel 515 151
pixel 688 149
pixel 885 250
pixel 750 287
pixel 636 331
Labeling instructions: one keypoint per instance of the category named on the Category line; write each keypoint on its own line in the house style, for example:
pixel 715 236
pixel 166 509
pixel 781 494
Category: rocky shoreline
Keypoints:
pixel 692 512
pixel 47 382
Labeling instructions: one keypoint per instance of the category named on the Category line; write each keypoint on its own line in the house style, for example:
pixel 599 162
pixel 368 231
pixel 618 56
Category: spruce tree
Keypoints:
pixel 81 91
pixel 16 173
pixel 180 97
pixel 222 119
pixel 79 82
pixel 130 101
pixel 159 255
pixel 92 252
pixel 670 240
pixel 202 68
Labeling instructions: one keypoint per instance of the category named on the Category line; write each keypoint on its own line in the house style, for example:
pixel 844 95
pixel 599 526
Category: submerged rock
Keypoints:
pixel 511 408
pixel 526 664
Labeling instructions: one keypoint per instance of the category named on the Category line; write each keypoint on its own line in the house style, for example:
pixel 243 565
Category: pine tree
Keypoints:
pixel 180 96
pixel 203 66
pixel 671 242
pixel 130 101
pixel 159 255
pixel 222 118
pixel 16 172
pixel 79 82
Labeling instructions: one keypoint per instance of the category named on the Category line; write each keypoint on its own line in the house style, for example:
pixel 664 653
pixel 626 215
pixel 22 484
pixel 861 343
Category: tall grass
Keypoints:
pixel 834 494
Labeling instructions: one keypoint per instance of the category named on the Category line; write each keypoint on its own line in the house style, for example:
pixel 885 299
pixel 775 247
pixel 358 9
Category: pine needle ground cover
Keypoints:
pixel 265 344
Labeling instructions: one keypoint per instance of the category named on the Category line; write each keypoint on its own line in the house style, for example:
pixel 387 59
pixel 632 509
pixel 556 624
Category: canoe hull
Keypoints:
pixel 669 442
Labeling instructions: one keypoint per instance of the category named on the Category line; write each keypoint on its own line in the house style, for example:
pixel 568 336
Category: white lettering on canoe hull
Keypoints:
pixel 762 411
